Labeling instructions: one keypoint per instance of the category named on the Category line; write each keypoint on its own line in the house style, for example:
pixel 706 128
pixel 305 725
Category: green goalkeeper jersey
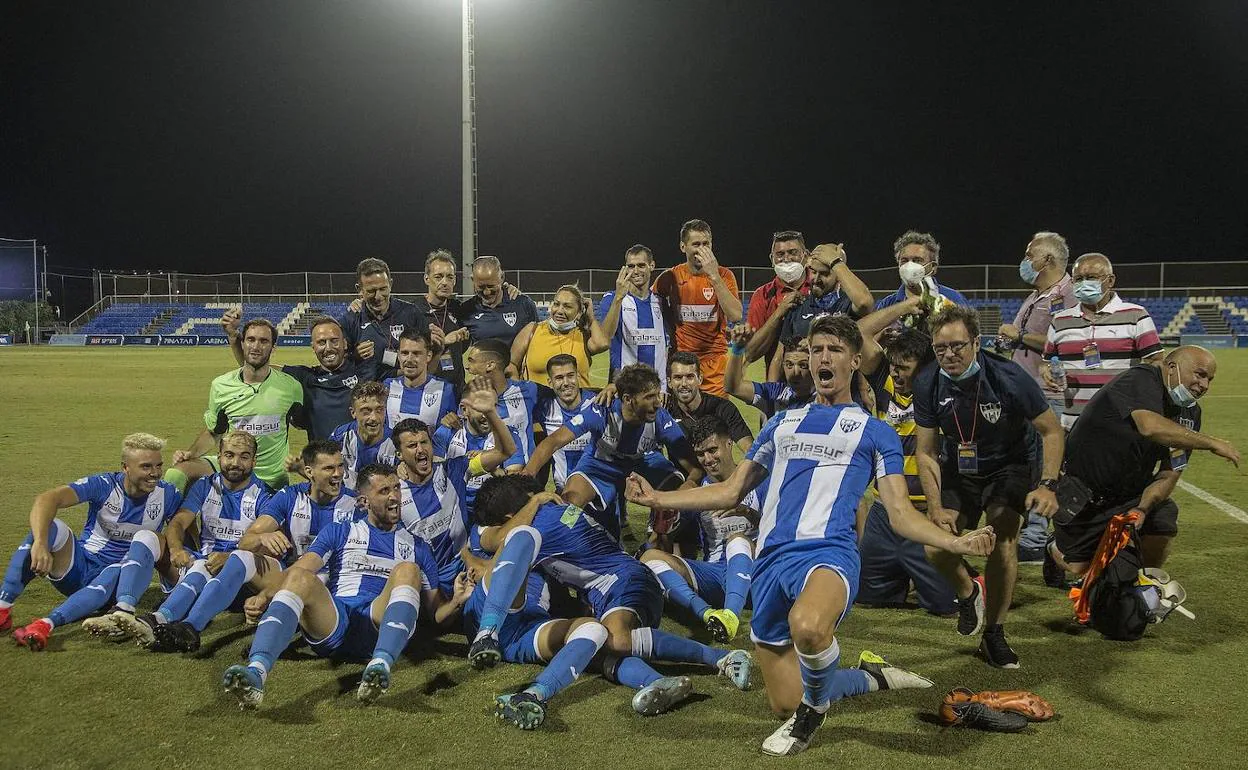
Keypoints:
pixel 263 410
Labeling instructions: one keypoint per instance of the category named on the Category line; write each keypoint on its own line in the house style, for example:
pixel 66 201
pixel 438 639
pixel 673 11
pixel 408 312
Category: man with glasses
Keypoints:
pixel 444 313
pixel 634 318
pixel 918 258
pixel 1099 338
pixel 493 313
pixel 982 404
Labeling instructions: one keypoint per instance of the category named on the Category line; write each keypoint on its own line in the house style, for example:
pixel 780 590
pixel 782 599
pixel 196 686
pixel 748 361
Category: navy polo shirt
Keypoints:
pixel 797 321
pixel 503 322
pixel 326 396
pixel 992 409
pixel 384 332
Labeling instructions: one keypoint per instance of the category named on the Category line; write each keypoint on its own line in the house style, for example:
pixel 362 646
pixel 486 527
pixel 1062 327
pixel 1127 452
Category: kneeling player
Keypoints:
pixel 575 550
pixel 817 460
pixel 125 511
pixel 379 575
pixel 287 524
pixel 722 578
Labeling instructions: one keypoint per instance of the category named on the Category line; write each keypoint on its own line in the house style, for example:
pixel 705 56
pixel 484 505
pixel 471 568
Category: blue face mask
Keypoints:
pixel 1089 292
pixel 971 371
pixel 1179 394
pixel 1028 273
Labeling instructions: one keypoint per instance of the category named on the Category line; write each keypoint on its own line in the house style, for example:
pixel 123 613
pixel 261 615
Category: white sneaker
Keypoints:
pixel 661 695
pixel 794 735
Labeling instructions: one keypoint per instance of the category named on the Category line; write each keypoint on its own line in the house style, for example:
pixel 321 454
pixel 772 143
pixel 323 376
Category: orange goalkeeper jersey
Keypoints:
pixel 696 313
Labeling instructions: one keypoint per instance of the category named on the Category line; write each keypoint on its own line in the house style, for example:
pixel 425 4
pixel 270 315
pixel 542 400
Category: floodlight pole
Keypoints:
pixel 34 252
pixel 468 249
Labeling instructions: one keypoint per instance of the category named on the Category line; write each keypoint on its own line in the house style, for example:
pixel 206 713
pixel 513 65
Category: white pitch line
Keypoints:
pixel 1216 502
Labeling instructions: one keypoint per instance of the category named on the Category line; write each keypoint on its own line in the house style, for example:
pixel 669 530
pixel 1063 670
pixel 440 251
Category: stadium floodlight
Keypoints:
pixel 468 125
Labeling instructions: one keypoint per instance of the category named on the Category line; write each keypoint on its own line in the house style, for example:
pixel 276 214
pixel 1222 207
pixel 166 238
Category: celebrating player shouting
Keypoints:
pixel 817 461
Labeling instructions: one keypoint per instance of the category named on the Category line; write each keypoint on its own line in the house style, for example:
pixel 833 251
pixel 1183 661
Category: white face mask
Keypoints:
pixel 790 272
pixel 912 273
pixel 566 326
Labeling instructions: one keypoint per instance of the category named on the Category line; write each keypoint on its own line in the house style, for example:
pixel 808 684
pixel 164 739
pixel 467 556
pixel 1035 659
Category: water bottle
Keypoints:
pixel 1057 372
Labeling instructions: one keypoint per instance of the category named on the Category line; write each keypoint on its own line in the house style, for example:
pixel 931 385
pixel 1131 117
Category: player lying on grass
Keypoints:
pixel 125 511
pixel 527 528
pixel 714 588
pixel 817 461
pixel 222 506
pixel 624 437
pixel 286 525
pixel 379 577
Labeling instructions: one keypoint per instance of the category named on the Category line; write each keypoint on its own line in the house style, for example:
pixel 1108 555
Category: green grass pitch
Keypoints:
pixel 1174 699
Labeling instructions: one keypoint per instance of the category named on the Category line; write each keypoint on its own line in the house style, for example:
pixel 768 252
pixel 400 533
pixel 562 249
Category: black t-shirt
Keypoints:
pixel 991 409
pixel 1106 451
pixel 450 362
pixel 361 326
pixel 712 406
pixel 326 396
pixel 797 321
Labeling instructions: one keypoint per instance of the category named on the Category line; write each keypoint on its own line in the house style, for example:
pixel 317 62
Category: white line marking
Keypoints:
pixel 1216 502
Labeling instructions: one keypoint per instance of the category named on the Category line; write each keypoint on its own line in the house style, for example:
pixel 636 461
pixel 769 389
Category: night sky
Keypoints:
pixel 220 136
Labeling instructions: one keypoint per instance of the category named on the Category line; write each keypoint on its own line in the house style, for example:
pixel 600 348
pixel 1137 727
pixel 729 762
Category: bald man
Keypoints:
pixel 495 312
pixel 1129 448
pixel 1098 338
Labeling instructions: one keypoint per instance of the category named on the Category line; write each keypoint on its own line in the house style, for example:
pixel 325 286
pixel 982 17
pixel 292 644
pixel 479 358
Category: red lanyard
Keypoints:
pixel 974 415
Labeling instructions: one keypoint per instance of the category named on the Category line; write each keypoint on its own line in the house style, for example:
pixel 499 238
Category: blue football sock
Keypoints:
pixel 653 644
pixel 87 599
pixel 631 672
pixel 823 682
pixel 136 569
pixel 579 649
pixel 18 575
pixel 275 629
pixel 511 568
pixel 398 623
pixel 221 591
pixel 183 594
pixel 737 577
pixel 677 589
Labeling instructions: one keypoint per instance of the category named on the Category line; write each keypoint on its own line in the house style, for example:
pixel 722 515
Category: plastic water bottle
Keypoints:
pixel 1057 372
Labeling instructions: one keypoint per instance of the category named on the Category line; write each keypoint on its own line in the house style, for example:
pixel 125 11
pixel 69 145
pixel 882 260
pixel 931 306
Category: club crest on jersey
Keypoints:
pixel 991 412
pixel 351 381
pixel 152 510
pixel 509 319
pixel 849 426
pixel 708 292
pixel 396 330
pixel 404 551
pixel 514 403
pixel 431 399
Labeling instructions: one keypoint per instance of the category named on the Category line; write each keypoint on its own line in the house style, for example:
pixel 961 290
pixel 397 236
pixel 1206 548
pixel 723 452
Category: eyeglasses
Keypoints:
pixel 955 348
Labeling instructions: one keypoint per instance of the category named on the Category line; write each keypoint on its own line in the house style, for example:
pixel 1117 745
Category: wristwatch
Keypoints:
pixel 1049 484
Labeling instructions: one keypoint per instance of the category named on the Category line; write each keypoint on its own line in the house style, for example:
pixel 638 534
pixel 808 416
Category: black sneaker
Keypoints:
pixel 182 636
pixel 996 650
pixel 484 652
pixel 1031 556
pixel 971 610
pixel 794 735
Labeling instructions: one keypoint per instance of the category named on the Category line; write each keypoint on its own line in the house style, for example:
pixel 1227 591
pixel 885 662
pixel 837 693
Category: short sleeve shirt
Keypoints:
pixel 502 322
pixel 698 318
pixel 716 407
pixel 263 410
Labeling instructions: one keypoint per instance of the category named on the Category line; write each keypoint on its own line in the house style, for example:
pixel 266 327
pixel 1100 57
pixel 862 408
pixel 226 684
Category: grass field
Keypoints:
pixel 1174 699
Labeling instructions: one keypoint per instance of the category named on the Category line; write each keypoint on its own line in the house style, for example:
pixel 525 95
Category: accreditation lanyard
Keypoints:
pixel 968 453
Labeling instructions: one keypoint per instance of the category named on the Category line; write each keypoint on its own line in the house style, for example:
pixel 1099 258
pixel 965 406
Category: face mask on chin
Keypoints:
pixel 971 371
pixel 790 272
pixel 1179 394
pixel 566 326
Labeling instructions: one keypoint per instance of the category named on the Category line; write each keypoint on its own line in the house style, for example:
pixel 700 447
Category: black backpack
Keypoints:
pixel 1115 605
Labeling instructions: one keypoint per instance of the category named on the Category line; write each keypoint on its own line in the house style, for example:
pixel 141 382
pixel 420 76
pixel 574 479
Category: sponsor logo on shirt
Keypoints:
pixel 808 448
pixel 697 313
pixel 259 424
pixel 991 412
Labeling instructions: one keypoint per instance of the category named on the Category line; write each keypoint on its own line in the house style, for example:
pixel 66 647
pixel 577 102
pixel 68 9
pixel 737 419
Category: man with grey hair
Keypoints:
pixel 493 313
pixel 918 258
pixel 1043 267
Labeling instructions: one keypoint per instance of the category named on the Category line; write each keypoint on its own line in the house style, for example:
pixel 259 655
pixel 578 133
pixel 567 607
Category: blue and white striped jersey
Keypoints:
pixel 360 558
pixel 356 454
pixel 576 551
pixel 223 515
pixel 613 439
pixel 435 511
pixel 449 444
pixel 552 416
pixel 819 461
pixel 302 518
pixel 642 336
pixel 773 397
pixel 714 531
pixel 113 517
pixel 517 407
pixel 429 403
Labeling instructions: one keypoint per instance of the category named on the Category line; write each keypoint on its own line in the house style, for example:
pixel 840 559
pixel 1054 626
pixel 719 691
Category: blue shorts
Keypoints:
pixel 85 568
pixel 782 574
pixel 517 637
pixel 636 589
pixel 354 637
pixel 604 476
pixel 708 579
pixel 447 574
